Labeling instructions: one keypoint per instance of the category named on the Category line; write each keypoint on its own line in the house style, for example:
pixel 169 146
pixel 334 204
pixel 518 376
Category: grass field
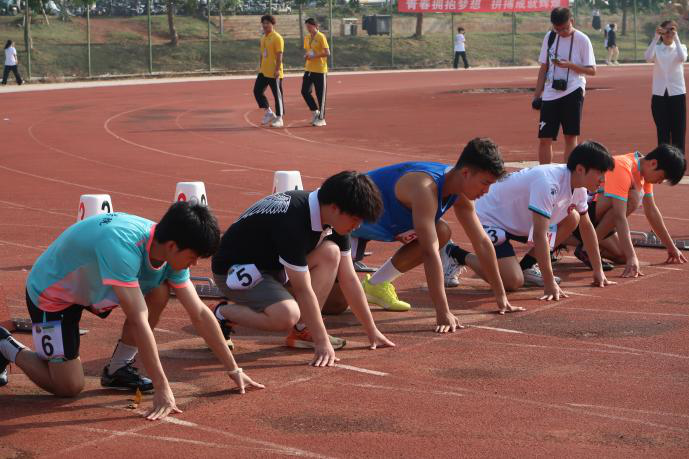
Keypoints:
pixel 120 46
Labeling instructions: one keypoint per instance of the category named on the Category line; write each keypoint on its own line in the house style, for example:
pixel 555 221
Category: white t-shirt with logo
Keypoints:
pixel 582 54
pixel 459 42
pixel 544 189
pixel 10 56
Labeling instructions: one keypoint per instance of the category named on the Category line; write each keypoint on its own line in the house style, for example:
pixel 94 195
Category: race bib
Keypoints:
pixel 243 277
pixel 265 52
pixel 47 340
pixel 497 235
pixel 406 237
pixel 552 232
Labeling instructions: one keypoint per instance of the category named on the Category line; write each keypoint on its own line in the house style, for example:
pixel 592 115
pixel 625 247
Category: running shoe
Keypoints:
pixel 583 256
pixel 451 269
pixel 303 340
pixel 277 122
pixel 320 122
pixel 316 116
pixel 225 325
pixel 268 118
pixel 384 295
pixel 126 378
pixel 4 378
pixel 533 276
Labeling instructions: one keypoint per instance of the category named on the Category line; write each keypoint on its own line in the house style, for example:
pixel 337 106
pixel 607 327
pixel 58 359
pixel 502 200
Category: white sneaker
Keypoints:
pixel 268 118
pixel 451 269
pixel 316 117
pixel 607 62
pixel 319 122
pixel 616 63
pixel 277 122
pixel 533 276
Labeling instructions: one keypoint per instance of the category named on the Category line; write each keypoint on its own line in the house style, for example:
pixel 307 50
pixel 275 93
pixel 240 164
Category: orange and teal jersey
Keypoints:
pixel 90 257
pixel 625 177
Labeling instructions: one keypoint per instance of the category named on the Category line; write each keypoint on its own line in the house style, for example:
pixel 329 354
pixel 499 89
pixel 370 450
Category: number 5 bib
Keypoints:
pixel 243 277
pixel 47 340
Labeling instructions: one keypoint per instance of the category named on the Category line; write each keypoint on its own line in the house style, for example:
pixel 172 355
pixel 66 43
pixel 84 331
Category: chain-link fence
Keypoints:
pixel 80 39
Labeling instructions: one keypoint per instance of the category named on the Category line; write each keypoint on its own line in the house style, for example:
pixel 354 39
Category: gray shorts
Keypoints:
pixel 269 291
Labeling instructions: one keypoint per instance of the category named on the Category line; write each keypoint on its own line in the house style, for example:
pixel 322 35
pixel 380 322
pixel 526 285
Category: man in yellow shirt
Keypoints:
pixel 270 72
pixel 316 57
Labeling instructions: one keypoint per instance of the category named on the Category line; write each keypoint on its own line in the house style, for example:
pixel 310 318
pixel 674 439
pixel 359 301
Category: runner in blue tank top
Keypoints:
pixel 415 197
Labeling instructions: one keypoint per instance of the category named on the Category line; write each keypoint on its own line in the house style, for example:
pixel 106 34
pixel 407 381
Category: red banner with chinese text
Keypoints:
pixel 484 6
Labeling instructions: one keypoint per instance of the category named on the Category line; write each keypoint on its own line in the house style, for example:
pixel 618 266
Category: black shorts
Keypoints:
pixel 69 321
pixel 565 111
pixel 505 249
pixel 594 222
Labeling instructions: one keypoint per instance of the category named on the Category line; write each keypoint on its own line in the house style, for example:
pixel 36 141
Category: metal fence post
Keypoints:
pixel 210 47
pixel 392 42
pixel 635 42
pixel 452 34
pixel 27 37
pixel 88 37
pixel 330 29
pixel 150 42
pixel 514 38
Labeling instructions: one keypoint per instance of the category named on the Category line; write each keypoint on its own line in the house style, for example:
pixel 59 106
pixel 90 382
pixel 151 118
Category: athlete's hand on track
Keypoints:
pixel 632 269
pixel 324 356
pixel 163 404
pixel 379 339
pixel 505 306
pixel 243 382
pixel 675 256
pixel 599 280
pixel 447 322
pixel 553 292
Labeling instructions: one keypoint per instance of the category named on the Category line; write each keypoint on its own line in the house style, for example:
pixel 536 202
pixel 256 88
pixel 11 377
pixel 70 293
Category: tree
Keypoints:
pixel 171 7
pixel 419 25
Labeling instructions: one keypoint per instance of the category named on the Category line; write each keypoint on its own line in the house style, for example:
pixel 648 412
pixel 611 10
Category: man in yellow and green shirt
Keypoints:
pixel 270 72
pixel 316 68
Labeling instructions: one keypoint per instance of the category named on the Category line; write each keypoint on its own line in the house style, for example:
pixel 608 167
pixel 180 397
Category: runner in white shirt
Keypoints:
pixel 669 101
pixel 536 206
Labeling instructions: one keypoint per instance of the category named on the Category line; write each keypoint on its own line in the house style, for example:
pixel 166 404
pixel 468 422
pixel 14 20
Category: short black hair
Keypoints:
pixel 354 194
pixel 482 154
pixel 268 17
pixel 460 29
pixel 670 160
pixel 591 155
pixel 190 226
pixel 311 21
pixel 560 15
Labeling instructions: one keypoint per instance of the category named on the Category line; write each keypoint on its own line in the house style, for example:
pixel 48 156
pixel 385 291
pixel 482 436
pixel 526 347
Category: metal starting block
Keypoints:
pixel 642 239
pixel 205 287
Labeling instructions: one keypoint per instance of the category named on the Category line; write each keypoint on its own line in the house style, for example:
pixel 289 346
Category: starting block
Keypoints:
pixel 10 323
pixel 192 192
pixel 93 204
pixel 642 239
pixel 286 181
pixel 205 287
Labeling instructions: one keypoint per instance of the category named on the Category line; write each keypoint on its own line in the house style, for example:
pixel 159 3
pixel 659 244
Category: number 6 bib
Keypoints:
pixel 47 340
pixel 243 277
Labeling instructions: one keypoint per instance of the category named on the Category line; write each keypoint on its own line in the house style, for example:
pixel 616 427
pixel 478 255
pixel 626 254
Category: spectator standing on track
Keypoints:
pixel 11 63
pixel 112 260
pixel 316 71
pixel 566 57
pixel 669 101
pixel 270 73
pixel 460 48
pixel 611 45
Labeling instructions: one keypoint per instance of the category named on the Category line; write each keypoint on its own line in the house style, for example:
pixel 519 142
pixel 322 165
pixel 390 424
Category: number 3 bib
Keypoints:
pixel 243 277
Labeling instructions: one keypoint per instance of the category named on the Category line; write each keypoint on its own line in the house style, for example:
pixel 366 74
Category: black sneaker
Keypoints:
pixel 126 378
pixel 4 334
pixel 581 254
pixel 225 326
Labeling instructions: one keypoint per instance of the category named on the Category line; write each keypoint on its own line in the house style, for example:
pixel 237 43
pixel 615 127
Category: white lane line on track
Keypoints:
pixel 560 348
pixel 106 126
pixel 502 330
pixel 38 209
pixel 361 370
pixel 406 389
pixel 615 311
pixel 615 408
pixel 40 248
pixel 124 433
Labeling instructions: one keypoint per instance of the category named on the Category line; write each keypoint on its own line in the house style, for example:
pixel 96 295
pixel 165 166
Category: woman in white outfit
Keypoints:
pixel 669 102
pixel 10 63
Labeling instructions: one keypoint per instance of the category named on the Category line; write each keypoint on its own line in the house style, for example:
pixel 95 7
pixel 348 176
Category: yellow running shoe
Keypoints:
pixel 304 340
pixel 384 295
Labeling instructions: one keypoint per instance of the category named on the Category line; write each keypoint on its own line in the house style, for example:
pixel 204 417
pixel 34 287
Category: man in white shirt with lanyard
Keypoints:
pixel 566 57
pixel 460 49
